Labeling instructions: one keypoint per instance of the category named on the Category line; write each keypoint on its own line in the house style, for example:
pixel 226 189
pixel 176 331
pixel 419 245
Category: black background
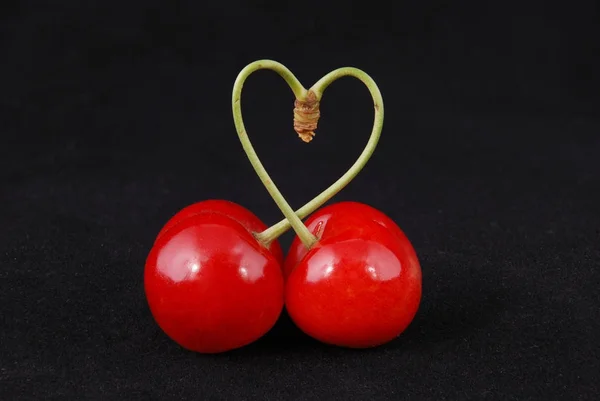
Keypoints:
pixel 114 115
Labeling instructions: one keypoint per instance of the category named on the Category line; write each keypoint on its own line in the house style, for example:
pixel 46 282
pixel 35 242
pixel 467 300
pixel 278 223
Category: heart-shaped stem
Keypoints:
pixel 293 218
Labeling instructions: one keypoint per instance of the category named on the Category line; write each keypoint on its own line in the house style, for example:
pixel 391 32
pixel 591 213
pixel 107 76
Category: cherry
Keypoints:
pixel 233 210
pixel 360 285
pixel 210 284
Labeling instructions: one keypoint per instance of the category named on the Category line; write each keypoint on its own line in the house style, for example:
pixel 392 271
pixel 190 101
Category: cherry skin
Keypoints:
pixel 237 212
pixel 210 285
pixel 360 285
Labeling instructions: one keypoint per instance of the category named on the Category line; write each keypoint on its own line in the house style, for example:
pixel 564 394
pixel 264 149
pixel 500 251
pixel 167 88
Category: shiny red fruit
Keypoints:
pixel 237 212
pixel 210 285
pixel 360 285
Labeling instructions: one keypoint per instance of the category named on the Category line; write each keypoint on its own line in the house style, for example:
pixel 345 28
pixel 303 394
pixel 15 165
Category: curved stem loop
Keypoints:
pixel 306 237
pixel 293 219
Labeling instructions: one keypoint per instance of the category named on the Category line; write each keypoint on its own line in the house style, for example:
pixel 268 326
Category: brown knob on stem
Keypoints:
pixel 306 116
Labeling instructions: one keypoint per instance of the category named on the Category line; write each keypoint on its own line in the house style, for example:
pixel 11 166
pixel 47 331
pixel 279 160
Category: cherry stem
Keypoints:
pixel 293 219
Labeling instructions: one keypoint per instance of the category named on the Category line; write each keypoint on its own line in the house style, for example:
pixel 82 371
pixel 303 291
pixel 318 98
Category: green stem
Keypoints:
pixel 318 88
pixel 300 92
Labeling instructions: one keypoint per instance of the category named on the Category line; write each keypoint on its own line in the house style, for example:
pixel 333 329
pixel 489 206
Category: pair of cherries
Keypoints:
pixel 216 278
pixel 213 287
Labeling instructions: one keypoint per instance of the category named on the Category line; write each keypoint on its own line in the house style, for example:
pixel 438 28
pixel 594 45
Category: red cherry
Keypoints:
pixel 237 212
pixel 360 285
pixel 210 285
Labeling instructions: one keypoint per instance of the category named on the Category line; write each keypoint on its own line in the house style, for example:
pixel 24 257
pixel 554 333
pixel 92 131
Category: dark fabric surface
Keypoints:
pixel 116 115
